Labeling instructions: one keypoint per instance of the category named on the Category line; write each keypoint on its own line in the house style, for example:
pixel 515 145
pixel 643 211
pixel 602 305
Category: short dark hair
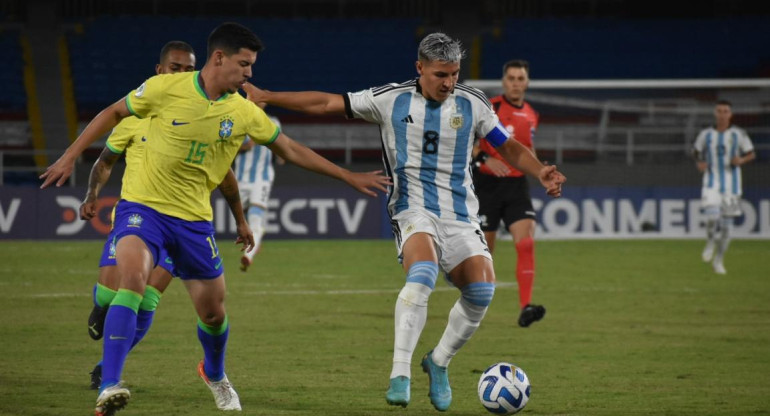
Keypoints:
pixel 231 37
pixel 725 102
pixel 516 63
pixel 175 45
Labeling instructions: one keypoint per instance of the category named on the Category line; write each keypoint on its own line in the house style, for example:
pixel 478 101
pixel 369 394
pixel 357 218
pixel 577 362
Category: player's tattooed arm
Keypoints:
pixel 100 173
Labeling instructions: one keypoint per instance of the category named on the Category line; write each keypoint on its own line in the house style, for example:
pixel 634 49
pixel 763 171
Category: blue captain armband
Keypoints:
pixel 497 136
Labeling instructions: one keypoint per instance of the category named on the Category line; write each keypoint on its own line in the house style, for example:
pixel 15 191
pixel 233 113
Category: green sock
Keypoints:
pixel 128 298
pixel 150 299
pixel 103 295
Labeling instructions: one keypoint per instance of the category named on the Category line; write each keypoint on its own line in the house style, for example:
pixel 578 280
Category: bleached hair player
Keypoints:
pixel 428 126
pixel 720 151
pixel 440 47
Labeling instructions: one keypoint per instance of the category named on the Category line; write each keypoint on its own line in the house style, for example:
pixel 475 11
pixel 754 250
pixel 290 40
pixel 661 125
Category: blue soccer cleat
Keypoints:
pixel 440 392
pixel 398 393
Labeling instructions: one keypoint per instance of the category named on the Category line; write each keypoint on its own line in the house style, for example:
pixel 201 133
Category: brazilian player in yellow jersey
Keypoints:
pixel 129 138
pixel 180 173
pixel 190 160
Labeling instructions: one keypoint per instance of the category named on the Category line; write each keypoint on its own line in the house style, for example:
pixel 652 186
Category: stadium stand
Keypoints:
pixel 604 48
pixel 112 55
pixel 583 48
pixel 14 127
pixel 13 99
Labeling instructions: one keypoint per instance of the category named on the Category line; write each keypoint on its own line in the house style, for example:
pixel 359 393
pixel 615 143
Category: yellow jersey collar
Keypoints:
pixel 197 81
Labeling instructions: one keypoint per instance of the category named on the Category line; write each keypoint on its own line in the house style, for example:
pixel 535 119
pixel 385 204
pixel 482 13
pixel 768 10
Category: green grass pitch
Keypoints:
pixel 632 328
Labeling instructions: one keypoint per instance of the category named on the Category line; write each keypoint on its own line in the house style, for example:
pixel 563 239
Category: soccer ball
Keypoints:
pixel 504 389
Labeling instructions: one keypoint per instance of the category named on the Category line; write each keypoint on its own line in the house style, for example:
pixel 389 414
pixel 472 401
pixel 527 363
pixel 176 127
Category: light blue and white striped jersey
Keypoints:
pixel 256 164
pixel 718 149
pixel 427 145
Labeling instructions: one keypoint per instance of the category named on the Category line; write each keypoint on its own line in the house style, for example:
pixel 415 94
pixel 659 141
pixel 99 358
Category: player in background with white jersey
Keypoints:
pixel 255 173
pixel 428 127
pixel 720 151
pixel 503 190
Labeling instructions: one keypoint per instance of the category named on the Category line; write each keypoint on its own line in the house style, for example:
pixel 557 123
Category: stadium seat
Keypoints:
pixel 336 55
pixel 13 97
pixel 612 48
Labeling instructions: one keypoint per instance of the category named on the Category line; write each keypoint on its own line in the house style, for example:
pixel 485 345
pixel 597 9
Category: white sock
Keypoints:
pixel 713 216
pixel 464 320
pixel 411 313
pixel 256 220
pixel 723 240
pixel 711 229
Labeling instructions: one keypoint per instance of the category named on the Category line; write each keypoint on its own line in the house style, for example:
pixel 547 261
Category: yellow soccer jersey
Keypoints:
pixel 191 143
pixel 130 136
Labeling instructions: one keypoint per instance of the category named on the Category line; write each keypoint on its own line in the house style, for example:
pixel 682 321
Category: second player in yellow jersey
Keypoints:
pixel 129 137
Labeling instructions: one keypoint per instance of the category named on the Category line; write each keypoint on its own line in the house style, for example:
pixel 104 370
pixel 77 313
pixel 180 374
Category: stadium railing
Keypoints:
pixel 29 170
pixel 630 146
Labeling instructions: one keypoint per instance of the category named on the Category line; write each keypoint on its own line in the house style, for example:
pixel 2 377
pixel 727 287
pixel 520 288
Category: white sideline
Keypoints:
pixel 282 292
pixel 353 291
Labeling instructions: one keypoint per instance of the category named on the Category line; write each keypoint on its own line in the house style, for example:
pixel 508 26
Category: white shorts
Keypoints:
pixel 454 240
pixel 728 205
pixel 257 193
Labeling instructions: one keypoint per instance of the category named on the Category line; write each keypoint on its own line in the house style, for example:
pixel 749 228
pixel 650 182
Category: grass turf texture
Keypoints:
pixel 633 328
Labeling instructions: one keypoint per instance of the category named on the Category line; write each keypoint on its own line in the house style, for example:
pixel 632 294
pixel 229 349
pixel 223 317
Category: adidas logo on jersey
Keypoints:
pixel 407 119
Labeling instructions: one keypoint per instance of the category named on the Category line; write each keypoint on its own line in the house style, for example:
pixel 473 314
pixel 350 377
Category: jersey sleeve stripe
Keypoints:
pixel 473 91
pixel 130 108
pixel 382 87
pixel 113 149
pixel 392 87
pixel 275 136
pixel 348 108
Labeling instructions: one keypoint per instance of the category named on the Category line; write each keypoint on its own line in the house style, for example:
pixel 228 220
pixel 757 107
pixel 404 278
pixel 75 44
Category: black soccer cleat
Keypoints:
pixel 96 377
pixel 96 322
pixel 531 313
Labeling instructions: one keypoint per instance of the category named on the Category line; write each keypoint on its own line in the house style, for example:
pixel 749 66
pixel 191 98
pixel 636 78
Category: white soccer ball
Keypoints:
pixel 504 389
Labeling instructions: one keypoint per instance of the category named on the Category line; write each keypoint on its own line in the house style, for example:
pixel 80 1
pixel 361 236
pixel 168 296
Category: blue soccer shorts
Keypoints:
pixel 108 255
pixel 190 245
